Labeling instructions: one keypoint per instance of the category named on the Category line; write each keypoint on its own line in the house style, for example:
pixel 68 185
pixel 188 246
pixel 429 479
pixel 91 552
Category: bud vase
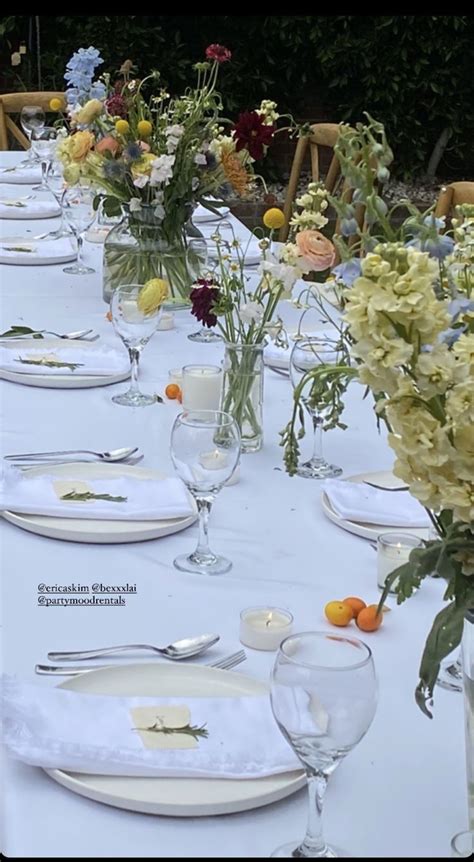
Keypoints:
pixel 242 392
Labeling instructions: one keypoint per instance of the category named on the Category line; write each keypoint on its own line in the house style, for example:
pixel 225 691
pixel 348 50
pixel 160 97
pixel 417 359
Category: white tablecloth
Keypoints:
pixel 401 792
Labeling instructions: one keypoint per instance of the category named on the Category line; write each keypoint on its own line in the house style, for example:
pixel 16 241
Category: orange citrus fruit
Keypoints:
pixel 368 620
pixel 173 391
pixel 338 613
pixel 356 604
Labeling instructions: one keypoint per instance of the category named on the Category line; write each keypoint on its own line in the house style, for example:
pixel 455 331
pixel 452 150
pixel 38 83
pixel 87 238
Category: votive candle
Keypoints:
pixel 393 550
pixel 264 628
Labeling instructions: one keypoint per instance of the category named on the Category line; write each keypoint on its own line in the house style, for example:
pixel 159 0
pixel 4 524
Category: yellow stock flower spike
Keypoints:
pixel 153 295
pixel 144 128
pixel 56 104
pixel 122 127
pixel 273 218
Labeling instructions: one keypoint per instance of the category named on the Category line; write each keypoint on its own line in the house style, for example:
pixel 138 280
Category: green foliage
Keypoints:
pixel 414 72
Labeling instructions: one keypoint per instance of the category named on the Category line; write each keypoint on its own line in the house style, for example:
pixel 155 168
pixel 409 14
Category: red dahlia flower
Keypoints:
pixel 218 53
pixel 252 134
pixel 203 299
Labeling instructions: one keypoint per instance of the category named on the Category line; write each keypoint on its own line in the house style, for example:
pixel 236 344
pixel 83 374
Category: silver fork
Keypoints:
pixel 78 335
pixel 226 663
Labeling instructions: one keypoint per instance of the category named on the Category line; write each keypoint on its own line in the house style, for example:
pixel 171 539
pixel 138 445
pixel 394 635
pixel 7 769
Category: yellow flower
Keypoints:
pixel 144 128
pixel 56 104
pixel 89 112
pixel 235 172
pixel 122 127
pixel 151 297
pixel 273 218
pixel 79 145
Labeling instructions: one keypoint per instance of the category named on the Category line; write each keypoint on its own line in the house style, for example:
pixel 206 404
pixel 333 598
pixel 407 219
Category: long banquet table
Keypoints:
pixel 401 792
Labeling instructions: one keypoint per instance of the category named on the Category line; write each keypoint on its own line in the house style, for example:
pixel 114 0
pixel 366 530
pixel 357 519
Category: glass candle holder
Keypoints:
pixel 393 550
pixel 265 628
pixel 201 387
pixel 462 845
pixel 175 375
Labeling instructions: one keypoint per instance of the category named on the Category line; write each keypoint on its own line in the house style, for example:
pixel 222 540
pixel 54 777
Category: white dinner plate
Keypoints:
pixel 57 381
pixel 175 797
pixel 360 528
pixel 98 532
pixel 40 252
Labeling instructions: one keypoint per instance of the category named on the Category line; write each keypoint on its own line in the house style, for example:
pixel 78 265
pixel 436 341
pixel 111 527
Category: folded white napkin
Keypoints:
pixel 250 251
pixel 59 729
pixel 202 214
pixel 21 175
pixel 36 252
pixel 16 208
pixel 355 501
pixel 94 361
pixel 146 499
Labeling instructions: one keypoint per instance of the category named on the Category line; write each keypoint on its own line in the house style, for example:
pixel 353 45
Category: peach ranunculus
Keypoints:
pixel 145 148
pixel 107 145
pixel 80 146
pixel 317 250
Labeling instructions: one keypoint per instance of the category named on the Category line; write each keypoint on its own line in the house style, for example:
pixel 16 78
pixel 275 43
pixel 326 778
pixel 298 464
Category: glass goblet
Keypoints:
pixel 205 450
pixel 307 355
pixel 323 696
pixel 77 205
pixel 57 185
pixel 31 117
pixel 44 141
pixel 134 322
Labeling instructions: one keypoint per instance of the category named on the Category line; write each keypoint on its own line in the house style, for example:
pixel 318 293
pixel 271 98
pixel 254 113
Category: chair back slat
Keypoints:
pixel 12 103
pixel 452 196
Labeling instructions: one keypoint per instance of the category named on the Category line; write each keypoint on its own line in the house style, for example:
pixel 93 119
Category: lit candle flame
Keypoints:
pixel 270 618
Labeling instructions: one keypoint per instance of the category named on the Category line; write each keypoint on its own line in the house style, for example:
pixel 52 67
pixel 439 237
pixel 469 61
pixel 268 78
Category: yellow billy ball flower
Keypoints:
pixel 273 218
pixel 122 127
pixel 56 104
pixel 144 128
pixel 151 297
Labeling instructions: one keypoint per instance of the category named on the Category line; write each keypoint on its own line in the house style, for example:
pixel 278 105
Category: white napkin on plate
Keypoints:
pixel 21 175
pixel 277 356
pixel 355 501
pixel 250 251
pixel 146 499
pixel 29 252
pixel 203 214
pixel 94 361
pixel 59 729
pixel 18 209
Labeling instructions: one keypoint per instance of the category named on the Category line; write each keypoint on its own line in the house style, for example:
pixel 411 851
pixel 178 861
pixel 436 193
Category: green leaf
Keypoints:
pixel 444 637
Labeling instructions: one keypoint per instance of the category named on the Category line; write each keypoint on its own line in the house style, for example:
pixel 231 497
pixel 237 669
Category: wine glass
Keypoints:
pixel 205 450
pixel 31 117
pixel 307 355
pixel 57 185
pixel 135 321
pixel 43 141
pixel 77 204
pixel 323 696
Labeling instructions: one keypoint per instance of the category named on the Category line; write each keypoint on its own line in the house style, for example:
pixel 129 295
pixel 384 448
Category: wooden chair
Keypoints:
pixel 322 135
pixel 453 195
pixel 12 103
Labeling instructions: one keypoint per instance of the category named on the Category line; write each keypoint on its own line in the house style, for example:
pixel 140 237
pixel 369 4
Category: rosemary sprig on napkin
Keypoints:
pixel 15 331
pixel 187 729
pixel 50 363
pixel 22 248
pixel 12 204
pixel 84 496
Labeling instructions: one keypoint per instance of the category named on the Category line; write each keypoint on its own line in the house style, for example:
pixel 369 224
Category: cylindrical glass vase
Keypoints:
pixel 468 684
pixel 242 392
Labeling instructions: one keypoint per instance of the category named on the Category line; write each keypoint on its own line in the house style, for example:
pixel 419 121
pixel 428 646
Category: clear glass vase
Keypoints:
pixel 468 682
pixel 242 392
pixel 138 249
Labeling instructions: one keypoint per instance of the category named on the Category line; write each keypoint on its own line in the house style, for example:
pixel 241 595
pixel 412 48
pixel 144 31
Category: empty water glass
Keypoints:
pixel 43 141
pixel 31 117
pixel 57 186
pixel 135 320
pixel 77 203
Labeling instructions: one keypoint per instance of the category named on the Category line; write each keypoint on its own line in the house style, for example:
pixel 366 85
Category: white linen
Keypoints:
pixel 59 729
pixel 21 175
pixel 277 356
pixel 36 252
pixel 146 499
pixel 93 360
pixel 203 214
pixel 16 208
pixel 355 501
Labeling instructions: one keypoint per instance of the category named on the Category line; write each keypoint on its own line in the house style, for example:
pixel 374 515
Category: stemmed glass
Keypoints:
pixel 308 354
pixel 56 184
pixel 77 205
pixel 324 697
pixel 31 117
pixel 135 322
pixel 205 450
pixel 44 142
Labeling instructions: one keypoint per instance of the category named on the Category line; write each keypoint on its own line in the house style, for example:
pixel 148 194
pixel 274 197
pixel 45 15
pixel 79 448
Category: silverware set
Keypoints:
pixel 80 335
pixel 64 456
pixel 226 663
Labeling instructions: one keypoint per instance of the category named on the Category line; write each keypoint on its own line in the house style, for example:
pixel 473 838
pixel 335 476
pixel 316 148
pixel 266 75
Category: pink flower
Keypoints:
pixel 318 251
pixel 218 53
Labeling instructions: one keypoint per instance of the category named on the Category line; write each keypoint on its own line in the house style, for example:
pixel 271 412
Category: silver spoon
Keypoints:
pixel 175 651
pixel 69 336
pixel 111 457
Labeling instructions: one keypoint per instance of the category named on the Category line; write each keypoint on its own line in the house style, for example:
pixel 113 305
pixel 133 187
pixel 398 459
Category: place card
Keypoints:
pixel 148 720
pixel 66 486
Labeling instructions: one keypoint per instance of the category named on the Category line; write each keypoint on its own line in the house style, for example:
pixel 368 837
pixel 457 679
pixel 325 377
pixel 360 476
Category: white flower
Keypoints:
pixel 135 204
pixel 162 170
pixel 200 159
pixel 194 183
pixel 159 212
pixel 174 131
pixel 251 312
pixel 279 275
pixel 140 181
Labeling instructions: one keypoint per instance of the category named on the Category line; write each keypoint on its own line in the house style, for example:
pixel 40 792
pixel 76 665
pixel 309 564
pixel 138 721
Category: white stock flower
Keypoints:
pixel 159 212
pixel 135 204
pixel 162 170
pixel 200 159
pixel 251 312
pixel 140 181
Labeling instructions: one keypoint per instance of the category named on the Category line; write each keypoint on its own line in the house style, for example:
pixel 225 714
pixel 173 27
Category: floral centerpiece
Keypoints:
pixel 154 158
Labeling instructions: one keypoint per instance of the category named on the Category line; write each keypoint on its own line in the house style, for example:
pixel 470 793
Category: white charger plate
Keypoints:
pixel 175 797
pixel 28 212
pixel 98 532
pixel 360 528
pixel 54 251
pixel 56 381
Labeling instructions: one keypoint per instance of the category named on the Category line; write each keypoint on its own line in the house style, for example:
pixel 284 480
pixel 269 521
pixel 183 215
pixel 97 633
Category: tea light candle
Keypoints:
pixel 201 387
pixel 216 460
pixel 175 375
pixel 166 320
pixel 264 628
pixel 393 549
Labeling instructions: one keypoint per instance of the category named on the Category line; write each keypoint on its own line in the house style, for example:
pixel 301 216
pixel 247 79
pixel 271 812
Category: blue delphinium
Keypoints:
pixel 426 237
pixel 80 71
pixel 348 272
